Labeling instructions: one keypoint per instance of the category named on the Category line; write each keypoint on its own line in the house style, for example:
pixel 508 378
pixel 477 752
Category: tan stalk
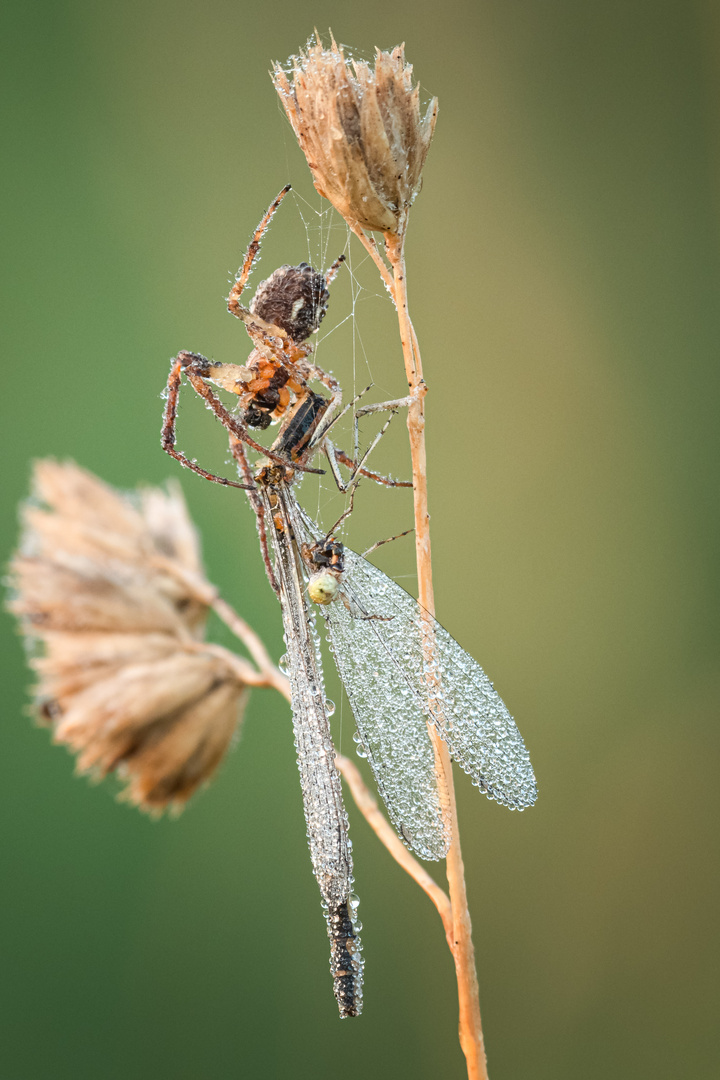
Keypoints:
pixel 470 1025
pixel 370 246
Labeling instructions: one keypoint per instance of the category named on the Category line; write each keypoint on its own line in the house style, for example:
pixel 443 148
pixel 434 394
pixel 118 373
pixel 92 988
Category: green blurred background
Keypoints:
pixel 563 263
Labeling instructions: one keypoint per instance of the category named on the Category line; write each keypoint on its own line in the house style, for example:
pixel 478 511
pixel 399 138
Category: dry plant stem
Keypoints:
pixel 268 674
pixel 382 828
pixel 253 644
pixel 470 1025
pixel 371 247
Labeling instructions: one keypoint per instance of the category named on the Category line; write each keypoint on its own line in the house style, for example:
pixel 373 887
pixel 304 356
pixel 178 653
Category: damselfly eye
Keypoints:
pixel 323 587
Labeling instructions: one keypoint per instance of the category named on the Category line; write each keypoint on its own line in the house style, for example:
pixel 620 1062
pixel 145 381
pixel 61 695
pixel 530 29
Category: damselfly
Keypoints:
pixel 400 668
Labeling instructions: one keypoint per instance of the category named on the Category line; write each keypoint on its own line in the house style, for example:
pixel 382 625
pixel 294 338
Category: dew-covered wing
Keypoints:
pixel 391 723
pixel 452 689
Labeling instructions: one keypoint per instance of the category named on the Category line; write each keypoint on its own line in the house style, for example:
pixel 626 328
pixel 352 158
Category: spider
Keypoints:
pixel 273 385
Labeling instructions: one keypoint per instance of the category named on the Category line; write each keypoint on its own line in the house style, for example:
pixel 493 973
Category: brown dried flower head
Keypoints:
pixel 360 130
pixel 113 593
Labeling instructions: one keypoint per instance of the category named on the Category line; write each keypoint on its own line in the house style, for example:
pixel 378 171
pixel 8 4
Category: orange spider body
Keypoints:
pixel 287 307
pixel 273 380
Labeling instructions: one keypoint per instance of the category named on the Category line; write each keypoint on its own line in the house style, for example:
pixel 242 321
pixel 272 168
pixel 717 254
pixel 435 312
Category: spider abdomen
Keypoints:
pixel 295 298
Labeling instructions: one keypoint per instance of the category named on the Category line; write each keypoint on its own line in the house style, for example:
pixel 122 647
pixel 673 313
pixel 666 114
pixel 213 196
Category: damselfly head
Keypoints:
pixel 295 298
pixel 323 587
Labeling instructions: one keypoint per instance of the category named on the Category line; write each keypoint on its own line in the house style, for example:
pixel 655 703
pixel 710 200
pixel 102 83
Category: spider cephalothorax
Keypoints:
pixel 295 298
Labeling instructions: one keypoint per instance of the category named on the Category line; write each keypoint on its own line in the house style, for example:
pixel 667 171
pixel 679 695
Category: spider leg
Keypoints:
pixel 170 425
pixel 332 273
pixel 251 253
pixel 238 452
pixel 389 540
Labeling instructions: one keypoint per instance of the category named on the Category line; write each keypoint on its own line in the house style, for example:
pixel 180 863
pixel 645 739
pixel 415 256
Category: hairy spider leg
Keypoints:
pixel 332 272
pixel 388 540
pixel 169 428
pixel 234 427
pixel 287 355
pixel 238 436
pixel 251 254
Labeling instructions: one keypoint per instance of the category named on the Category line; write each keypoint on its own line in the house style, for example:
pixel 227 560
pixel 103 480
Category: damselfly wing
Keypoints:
pixel 400 669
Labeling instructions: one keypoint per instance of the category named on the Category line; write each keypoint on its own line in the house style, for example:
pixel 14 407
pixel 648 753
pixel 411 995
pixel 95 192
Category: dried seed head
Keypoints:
pixel 93 559
pixel 113 592
pixel 164 724
pixel 360 130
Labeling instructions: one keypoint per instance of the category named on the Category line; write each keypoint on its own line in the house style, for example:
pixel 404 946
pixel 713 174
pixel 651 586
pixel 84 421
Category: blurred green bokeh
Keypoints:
pixel 564 267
